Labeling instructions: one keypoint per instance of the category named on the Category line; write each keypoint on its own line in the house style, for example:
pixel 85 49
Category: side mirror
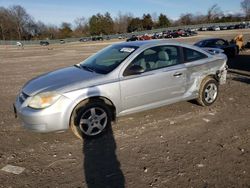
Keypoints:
pixel 134 69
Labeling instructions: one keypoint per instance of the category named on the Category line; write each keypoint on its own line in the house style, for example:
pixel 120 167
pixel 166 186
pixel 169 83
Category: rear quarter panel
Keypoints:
pixel 198 70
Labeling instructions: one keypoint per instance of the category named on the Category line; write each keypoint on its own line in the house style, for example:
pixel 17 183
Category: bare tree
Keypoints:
pixel 186 19
pixel 121 22
pixel 20 18
pixel 3 22
pixel 80 22
pixel 245 4
pixel 199 19
pixel 213 12
pixel 52 32
pixel 155 17
pixel 81 26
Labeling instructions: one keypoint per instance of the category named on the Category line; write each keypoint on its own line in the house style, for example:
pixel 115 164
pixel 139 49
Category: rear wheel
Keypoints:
pixel 90 119
pixel 208 92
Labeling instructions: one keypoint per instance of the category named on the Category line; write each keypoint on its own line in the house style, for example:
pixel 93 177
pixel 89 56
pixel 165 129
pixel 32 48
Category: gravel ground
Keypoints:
pixel 180 145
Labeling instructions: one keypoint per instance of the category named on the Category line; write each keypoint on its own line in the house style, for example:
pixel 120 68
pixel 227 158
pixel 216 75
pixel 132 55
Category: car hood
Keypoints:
pixel 62 80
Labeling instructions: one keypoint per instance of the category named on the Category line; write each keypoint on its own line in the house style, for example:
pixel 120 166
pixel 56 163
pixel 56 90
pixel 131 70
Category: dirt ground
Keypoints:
pixel 180 145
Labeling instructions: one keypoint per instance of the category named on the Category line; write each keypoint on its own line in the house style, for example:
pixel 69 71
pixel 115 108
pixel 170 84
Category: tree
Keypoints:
pixel 65 30
pixel 82 27
pixel 155 17
pixel 245 4
pixel 199 19
pixel 5 24
pixel 108 24
pixel 213 13
pixel 21 19
pixel 101 24
pixel 135 25
pixel 147 22
pixel 163 21
pixel 52 32
pixel 121 22
pixel 186 19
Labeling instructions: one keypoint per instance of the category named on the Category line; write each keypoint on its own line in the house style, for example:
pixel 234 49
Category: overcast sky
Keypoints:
pixel 57 11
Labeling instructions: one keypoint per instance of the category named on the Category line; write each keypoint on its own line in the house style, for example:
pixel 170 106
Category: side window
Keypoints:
pixel 209 43
pixel 220 43
pixel 192 55
pixel 156 58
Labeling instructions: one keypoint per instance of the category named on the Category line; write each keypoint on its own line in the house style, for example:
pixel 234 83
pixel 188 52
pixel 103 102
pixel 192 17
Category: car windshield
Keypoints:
pixel 107 59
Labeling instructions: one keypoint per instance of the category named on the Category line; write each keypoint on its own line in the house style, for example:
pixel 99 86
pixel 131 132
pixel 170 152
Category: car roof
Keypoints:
pixel 152 43
pixel 210 39
pixel 148 43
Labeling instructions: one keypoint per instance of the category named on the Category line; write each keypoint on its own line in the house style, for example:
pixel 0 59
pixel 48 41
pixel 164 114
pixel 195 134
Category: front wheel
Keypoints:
pixel 90 119
pixel 208 92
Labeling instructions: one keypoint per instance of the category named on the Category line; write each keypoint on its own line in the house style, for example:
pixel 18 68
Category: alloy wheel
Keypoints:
pixel 93 121
pixel 211 92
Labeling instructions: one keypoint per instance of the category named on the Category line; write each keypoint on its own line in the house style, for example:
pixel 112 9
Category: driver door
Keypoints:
pixel 163 79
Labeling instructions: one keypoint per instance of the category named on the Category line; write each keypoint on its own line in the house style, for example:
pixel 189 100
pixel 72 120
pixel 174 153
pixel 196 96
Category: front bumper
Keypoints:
pixel 50 119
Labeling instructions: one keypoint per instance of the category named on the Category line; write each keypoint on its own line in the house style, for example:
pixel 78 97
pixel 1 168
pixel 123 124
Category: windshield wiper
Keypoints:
pixel 87 68
pixel 77 65
pixel 84 67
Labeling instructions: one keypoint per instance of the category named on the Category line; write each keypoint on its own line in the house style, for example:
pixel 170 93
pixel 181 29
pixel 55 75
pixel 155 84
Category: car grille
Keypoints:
pixel 22 97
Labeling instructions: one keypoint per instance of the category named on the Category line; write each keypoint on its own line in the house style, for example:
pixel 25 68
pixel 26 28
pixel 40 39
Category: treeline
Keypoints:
pixel 17 24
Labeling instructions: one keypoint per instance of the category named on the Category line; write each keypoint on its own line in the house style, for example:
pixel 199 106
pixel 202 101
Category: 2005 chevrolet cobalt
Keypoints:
pixel 120 79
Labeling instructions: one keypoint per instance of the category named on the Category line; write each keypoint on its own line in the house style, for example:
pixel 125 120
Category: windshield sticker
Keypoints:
pixel 128 50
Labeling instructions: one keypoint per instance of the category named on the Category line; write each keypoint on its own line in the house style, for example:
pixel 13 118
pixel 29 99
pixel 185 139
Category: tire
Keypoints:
pixel 90 118
pixel 208 92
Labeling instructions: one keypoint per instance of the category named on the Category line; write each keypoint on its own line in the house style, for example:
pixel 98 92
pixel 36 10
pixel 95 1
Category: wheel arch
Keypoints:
pixel 106 101
pixel 103 99
pixel 214 76
pixel 203 81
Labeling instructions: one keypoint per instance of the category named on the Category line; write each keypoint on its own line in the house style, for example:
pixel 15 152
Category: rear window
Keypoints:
pixel 192 55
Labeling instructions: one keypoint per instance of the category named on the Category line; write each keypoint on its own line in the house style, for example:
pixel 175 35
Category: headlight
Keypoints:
pixel 43 100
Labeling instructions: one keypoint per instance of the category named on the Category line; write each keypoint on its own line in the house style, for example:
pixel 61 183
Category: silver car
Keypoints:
pixel 121 79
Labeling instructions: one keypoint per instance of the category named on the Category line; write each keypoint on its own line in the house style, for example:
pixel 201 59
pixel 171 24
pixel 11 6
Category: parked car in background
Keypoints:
pixel 175 34
pixel 240 26
pixel 230 49
pixel 121 37
pixel 203 29
pixel 19 44
pixel 157 35
pixel 62 41
pixel 167 34
pixel 230 27
pixel 121 79
pixel 44 43
pixel 213 28
pixel 193 33
pixel 97 38
pixel 132 38
pixel 223 27
pixel 84 39
pixel 145 37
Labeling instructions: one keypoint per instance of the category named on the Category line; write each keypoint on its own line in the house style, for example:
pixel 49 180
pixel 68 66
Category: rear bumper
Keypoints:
pixel 49 119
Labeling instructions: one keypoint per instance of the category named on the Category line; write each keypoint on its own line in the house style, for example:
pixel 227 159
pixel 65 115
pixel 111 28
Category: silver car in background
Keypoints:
pixel 121 79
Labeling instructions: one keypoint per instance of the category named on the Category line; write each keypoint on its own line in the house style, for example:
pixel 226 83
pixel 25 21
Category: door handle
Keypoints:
pixel 177 74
